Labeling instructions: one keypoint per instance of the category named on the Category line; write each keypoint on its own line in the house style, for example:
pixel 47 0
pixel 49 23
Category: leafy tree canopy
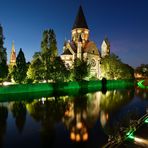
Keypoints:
pixel 20 70
pixel 113 68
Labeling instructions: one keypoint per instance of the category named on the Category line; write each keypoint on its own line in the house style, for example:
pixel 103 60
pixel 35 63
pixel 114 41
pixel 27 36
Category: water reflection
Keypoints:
pixel 76 116
pixel 3 124
pixel 18 110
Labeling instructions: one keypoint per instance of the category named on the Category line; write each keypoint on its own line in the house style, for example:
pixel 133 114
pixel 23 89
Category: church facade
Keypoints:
pixel 81 47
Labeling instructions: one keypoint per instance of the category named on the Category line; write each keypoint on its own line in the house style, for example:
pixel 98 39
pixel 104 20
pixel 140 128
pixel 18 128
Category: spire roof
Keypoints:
pixel 13 48
pixel 80 21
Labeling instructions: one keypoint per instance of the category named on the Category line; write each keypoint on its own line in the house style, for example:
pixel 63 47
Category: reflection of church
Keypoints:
pixel 81 47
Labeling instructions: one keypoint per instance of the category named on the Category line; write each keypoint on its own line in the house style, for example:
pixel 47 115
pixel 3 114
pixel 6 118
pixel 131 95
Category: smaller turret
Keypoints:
pixel 105 48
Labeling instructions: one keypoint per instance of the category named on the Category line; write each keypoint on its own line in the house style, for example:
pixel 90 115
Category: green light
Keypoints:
pixel 146 120
pixel 130 135
pixel 140 84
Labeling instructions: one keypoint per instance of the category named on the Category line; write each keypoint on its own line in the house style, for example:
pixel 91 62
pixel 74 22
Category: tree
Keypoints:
pixel 113 68
pixel 36 69
pixel 59 71
pixel 3 57
pixel 80 70
pixel 20 70
pixel 3 70
pixel 48 52
pixel 41 67
pixel 142 69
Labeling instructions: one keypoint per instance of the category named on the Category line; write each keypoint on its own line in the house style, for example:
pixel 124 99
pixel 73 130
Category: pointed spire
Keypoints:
pixel 13 55
pixel 13 48
pixel 80 21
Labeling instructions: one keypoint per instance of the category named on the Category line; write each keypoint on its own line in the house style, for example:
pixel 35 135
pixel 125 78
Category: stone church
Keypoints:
pixel 81 47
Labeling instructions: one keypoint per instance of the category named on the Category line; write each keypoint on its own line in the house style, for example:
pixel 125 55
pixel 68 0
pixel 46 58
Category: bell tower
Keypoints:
pixel 80 28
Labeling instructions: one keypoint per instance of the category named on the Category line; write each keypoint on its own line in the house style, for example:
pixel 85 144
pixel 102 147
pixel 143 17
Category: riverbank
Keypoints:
pixel 66 86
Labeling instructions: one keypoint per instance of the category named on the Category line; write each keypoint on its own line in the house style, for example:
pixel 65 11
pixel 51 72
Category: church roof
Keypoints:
pixel 91 47
pixel 67 52
pixel 80 21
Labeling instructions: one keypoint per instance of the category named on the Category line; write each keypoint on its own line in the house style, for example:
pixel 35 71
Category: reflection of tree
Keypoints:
pixel 19 113
pixel 3 117
pixel 113 100
pixel 47 111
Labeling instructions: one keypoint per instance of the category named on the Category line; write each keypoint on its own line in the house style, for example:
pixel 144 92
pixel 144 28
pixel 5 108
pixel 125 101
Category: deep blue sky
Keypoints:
pixel 124 22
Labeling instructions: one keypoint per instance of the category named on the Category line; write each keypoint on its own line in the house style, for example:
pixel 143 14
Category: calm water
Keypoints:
pixel 83 120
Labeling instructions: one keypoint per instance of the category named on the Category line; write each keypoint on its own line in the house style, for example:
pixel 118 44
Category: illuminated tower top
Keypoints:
pixel 80 28
pixel 13 55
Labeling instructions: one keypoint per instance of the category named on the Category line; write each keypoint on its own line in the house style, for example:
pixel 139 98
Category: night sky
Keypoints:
pixel 124 22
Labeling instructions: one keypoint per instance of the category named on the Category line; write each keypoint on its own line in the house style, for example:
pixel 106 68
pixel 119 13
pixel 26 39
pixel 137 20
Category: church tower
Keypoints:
pixel 13 56
pixel 105 48
pixel 80 28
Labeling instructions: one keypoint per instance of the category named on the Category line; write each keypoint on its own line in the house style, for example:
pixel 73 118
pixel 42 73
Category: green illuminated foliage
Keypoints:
pixel 42 65
pixel 113 68
pixel 59 70
pixel 36 69
pixel 81 69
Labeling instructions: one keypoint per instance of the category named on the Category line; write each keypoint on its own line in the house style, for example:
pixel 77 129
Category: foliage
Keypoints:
pixel 113 68
pixel 48 52
pixel 59 71
pixel 35 70
pixel 3 70
pixel 20 70
pixel 142 69
pixel 80 69
pixel 45 64
pixel 3 57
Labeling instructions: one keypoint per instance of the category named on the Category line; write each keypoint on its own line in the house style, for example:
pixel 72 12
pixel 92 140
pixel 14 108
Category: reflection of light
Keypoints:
pixel 85 137
pixel 103 118
pixel 141 141
pixel 77 137
pixel 79 125
pixel 72 136
pixel 43 100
